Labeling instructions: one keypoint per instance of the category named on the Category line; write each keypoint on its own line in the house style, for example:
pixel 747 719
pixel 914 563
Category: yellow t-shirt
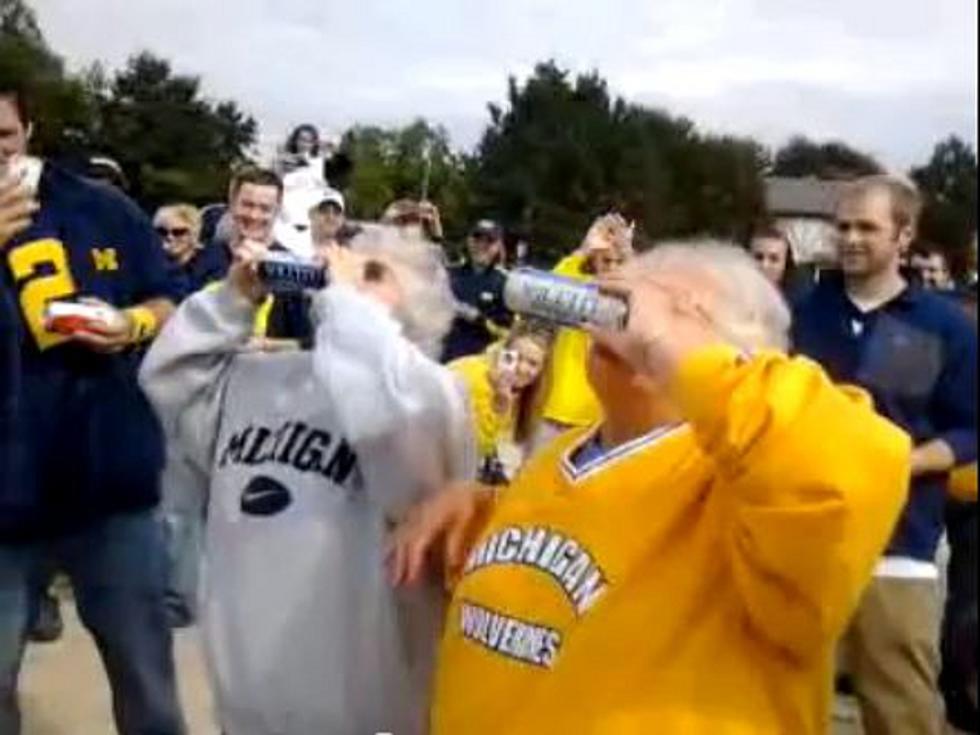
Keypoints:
pixel 691 582
pixel 490 427
pixel 569 398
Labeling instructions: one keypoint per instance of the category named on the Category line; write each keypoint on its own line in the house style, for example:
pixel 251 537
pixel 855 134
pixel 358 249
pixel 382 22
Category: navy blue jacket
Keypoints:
pixel 483 289
pixel 87 442
pixel 208 266
pixel 917 357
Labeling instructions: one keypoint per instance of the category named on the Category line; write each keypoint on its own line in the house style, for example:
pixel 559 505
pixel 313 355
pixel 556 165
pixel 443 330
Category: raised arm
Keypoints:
pixel 185 372
pixel 813 482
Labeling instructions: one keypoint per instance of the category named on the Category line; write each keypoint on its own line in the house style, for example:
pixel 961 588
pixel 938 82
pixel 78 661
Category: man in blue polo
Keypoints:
pixel 916 354
pixel 80 449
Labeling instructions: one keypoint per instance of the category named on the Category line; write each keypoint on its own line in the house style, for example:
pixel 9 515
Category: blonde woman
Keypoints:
pixel 502 383
pixel 179 228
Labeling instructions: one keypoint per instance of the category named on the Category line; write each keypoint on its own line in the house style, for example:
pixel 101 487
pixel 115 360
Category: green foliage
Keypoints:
pixel 831 160
pixel 559 151
pixel 172 142
pixel 391 164
pixel 62 109
pixel 18 20
pixel 564 151
pixel 949 184
pixel 175 143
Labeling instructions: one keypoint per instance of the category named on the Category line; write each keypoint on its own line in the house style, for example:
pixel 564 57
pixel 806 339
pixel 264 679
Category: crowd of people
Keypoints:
pixel 395 505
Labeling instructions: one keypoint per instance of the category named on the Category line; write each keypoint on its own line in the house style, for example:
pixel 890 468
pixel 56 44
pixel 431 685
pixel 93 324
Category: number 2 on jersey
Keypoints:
pixel 39 285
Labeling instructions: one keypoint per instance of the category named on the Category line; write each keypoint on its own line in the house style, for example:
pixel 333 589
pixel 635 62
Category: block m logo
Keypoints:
pixel 105 259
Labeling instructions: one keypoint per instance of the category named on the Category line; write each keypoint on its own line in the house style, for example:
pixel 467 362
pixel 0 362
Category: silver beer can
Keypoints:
pixel 563 300
pixel 284 272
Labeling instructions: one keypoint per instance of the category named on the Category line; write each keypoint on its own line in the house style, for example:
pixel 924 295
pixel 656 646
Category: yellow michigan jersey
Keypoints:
pixel 692 581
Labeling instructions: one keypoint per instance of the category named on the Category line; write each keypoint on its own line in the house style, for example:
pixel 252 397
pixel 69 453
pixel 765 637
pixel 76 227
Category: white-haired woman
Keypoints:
pixel 686 566
pixel 311 458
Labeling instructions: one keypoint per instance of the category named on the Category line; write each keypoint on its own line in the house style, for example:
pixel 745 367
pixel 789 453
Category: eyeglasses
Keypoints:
pixel 175 232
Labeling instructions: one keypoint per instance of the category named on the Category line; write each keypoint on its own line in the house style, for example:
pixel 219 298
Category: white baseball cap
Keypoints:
pixel 331 196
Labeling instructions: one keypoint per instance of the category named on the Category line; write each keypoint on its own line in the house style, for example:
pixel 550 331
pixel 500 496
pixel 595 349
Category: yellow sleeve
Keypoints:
pixel 261 328
pixel 812 482
pixel 963 483
pixel 572 266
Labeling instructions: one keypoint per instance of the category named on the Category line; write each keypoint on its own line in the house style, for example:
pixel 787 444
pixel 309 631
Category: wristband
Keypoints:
pixel 143 324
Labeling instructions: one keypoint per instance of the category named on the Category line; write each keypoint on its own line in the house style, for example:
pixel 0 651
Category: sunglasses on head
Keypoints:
pixel 166 232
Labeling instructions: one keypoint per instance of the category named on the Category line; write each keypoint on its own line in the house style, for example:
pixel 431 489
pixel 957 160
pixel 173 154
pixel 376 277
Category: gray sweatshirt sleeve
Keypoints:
pixel 382 385
pixel 186 370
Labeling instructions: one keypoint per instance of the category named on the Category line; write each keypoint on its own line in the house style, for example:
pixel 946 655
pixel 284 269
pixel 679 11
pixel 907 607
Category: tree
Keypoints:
pixel 172 143
pixel 63 112
pixel 18 19
pixel 540 164
pixel 167 137
pixel 564 150
pixel 830 160
pixel 390 164
pixel 949 186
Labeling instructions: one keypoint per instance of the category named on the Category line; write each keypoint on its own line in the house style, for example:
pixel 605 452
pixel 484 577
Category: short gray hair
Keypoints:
pixel 751 313
pixel 429 307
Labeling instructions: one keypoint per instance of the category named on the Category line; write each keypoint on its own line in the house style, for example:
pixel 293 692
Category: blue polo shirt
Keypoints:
pixel 917 357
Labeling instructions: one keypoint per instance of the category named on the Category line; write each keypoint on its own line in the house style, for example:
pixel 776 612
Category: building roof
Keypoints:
pixel 808 197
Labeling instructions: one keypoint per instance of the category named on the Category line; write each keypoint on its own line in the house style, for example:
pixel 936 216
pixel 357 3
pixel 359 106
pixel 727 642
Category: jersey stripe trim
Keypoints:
pixel 578 474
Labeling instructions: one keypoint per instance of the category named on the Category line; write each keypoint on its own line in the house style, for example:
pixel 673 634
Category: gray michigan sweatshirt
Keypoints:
pixel 311 458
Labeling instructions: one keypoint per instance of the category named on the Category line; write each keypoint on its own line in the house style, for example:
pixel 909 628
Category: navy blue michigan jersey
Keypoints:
pixel 87 442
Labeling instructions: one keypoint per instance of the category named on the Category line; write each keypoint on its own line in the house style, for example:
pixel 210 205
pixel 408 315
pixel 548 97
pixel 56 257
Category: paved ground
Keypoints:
pixel 63 689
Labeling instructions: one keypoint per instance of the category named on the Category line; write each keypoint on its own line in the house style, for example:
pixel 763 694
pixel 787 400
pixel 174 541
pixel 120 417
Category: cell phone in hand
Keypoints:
pixel 507 365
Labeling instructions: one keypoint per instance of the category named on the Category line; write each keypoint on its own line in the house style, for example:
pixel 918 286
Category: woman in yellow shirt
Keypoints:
pixel 686 567
pixel 568 399
pixel 502 383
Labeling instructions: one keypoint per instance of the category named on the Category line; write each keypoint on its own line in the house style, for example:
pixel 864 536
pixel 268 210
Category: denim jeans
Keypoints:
pixel 183 534
pixel 117 567
pixel 185 491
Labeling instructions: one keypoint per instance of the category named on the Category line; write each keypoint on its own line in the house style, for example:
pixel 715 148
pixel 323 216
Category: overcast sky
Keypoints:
pixel 890 76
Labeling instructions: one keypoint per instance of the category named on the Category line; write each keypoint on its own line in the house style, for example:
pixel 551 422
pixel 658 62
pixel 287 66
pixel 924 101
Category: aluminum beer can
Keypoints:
pixel 563 300
pixel 283 272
